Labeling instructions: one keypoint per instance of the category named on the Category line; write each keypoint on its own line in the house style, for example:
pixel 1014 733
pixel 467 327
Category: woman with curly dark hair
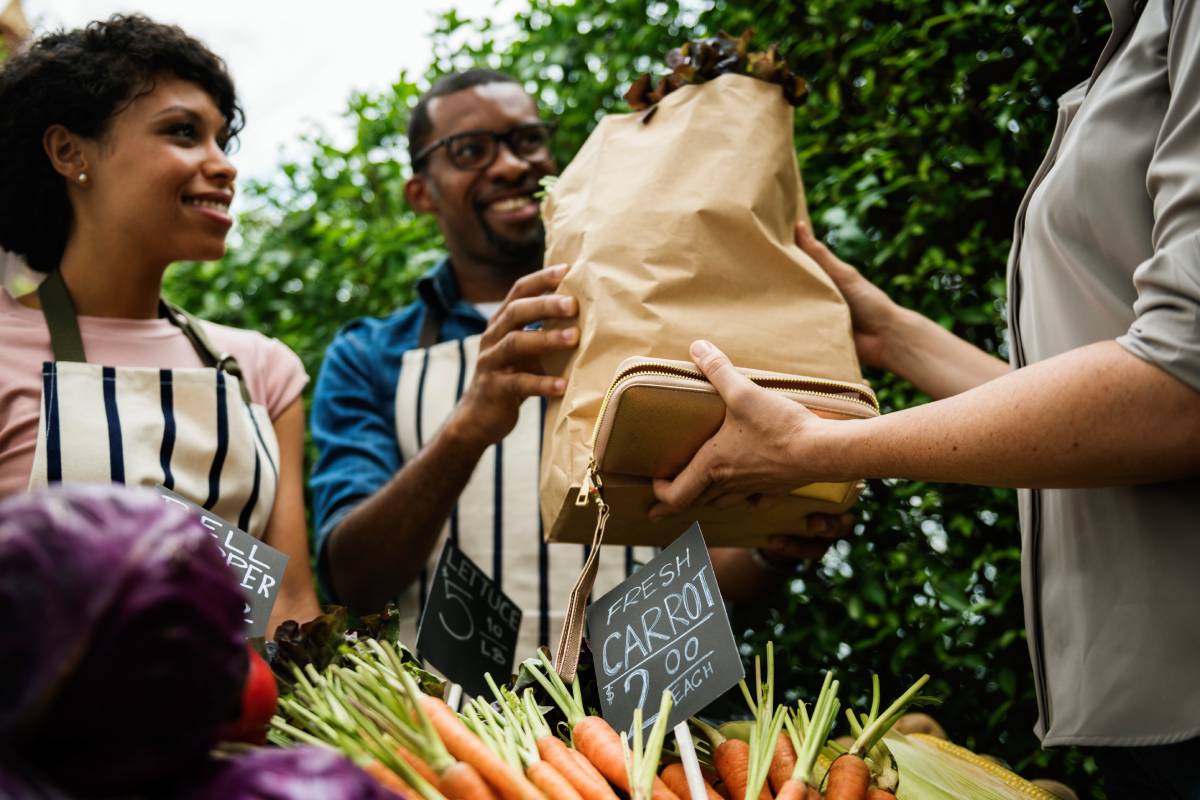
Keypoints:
pixel 113 165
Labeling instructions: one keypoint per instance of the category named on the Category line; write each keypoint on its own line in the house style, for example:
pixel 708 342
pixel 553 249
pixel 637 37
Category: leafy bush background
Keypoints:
pixel 924 121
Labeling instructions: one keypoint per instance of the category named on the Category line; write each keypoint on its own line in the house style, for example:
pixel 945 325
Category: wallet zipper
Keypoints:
pixel 591 481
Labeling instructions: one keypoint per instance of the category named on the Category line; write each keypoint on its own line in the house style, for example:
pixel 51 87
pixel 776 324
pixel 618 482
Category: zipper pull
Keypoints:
pixel 585 490
pixel 591 485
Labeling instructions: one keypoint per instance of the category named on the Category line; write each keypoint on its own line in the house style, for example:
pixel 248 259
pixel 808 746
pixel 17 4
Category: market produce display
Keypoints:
pixel 536 738
pixel 128 676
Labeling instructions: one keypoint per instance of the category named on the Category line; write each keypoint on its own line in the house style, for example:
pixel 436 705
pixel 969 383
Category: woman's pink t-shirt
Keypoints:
pixel 274 374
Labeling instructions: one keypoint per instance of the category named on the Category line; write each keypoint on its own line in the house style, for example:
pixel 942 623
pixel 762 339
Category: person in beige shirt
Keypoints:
pixel 1096 420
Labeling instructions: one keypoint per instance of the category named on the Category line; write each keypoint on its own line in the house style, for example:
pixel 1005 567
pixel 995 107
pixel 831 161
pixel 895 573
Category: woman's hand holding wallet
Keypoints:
pixel 768 445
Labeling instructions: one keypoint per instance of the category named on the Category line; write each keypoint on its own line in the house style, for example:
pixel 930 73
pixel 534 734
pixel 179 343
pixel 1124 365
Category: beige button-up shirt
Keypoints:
pixel 1107 247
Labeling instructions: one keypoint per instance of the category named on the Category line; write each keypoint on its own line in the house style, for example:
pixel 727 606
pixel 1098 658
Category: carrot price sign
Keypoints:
pixel 664 627
pixel 468 626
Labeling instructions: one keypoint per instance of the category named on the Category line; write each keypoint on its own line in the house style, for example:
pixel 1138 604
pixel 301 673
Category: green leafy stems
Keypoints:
pixel 368 712
pixel 570 701
pixel 870 729
pixel 641 759
pixel 809 734
pixel 515 723
pixel 768 722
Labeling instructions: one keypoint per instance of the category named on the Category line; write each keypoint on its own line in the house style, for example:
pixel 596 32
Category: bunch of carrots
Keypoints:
pixel 502 747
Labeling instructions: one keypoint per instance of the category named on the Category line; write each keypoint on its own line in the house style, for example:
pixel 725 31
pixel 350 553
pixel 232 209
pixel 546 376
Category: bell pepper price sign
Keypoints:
pixel 468 626
pixel 258 567
pixel 664 627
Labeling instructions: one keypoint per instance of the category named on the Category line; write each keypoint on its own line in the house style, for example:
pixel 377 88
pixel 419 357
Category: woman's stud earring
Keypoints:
pixel 83 178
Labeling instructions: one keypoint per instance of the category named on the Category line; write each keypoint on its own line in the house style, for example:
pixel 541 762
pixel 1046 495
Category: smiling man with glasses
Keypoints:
pixel 476 150
pixel 428 421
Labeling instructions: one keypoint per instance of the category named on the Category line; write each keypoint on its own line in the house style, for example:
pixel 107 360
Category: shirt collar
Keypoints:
pixel 1124 14
pixel 1123 10
pixel 438 289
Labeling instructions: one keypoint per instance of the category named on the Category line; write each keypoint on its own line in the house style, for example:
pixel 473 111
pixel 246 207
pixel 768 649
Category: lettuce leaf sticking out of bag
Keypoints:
pixel 700 60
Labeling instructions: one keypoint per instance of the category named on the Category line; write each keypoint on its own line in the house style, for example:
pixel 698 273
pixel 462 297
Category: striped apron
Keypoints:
pixel 193 430
pixel 496 520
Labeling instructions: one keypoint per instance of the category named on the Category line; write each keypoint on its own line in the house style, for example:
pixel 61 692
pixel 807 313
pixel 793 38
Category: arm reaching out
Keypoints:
pixel 890 337
pixel 1090 417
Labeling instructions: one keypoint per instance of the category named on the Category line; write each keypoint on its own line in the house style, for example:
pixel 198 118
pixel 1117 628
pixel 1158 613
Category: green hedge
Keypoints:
pixel 923 123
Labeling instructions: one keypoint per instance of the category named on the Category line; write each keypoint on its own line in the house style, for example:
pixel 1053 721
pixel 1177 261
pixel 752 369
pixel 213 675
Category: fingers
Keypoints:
pixel 682 492
pixel 720 372
pixel 762 502
pixel 830 526
pixel 524 384
pixel 517 314
pixel 522 345
pixel 837 269
pixel 797 548
pixel 537 283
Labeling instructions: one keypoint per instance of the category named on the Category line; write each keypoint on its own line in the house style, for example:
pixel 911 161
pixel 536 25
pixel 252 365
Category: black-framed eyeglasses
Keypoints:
pixel 476 150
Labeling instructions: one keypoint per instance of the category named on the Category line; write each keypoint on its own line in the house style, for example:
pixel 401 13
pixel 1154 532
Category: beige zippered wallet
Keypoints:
pixel 656 414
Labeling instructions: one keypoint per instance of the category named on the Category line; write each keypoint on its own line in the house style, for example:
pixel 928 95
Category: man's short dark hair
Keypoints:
pixel 82 79
pixel 419 123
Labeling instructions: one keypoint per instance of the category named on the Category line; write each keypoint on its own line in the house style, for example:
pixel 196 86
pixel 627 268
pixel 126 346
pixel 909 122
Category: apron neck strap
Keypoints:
pixel 190 327
pixel 59 311
pixel 431 326
pixel 66 343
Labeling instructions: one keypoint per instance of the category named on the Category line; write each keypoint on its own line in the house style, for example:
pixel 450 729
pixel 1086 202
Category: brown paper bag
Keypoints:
pixel 679 225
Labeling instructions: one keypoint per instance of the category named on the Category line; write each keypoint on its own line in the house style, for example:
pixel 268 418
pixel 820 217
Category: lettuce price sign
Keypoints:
pixel 258 567
pixel 665 627
pixel 468 626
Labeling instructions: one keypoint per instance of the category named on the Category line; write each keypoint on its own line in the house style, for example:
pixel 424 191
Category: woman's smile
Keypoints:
pixel 213 206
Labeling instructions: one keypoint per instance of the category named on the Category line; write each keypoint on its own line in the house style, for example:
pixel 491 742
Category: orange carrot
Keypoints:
pixel 594 738
pixel 782 763
pixel 714 780
pixel 596 741
pixel 849 778
pixel 675 778
pixel 588 766
pixel 601 745
pixel 879 794
pixel 794 789
pixel 732 759
pixel 466 746
pixel 388 779
pixel 418 764
pixel 551 781
pixel 571 765
pixel 461 781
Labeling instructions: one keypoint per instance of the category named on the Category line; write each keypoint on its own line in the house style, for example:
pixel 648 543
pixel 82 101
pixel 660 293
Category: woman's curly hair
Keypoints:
pixel 81 79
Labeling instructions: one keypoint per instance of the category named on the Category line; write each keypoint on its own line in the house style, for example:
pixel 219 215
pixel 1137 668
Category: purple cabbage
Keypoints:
pixel 122 644
pixel 292 773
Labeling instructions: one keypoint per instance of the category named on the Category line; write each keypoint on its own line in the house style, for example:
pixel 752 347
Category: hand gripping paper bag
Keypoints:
pixel 678 223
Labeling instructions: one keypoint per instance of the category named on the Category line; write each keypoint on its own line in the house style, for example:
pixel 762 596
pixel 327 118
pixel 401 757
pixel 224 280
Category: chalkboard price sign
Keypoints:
pixel 257 566
pixel 664 627
pixel 469 626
